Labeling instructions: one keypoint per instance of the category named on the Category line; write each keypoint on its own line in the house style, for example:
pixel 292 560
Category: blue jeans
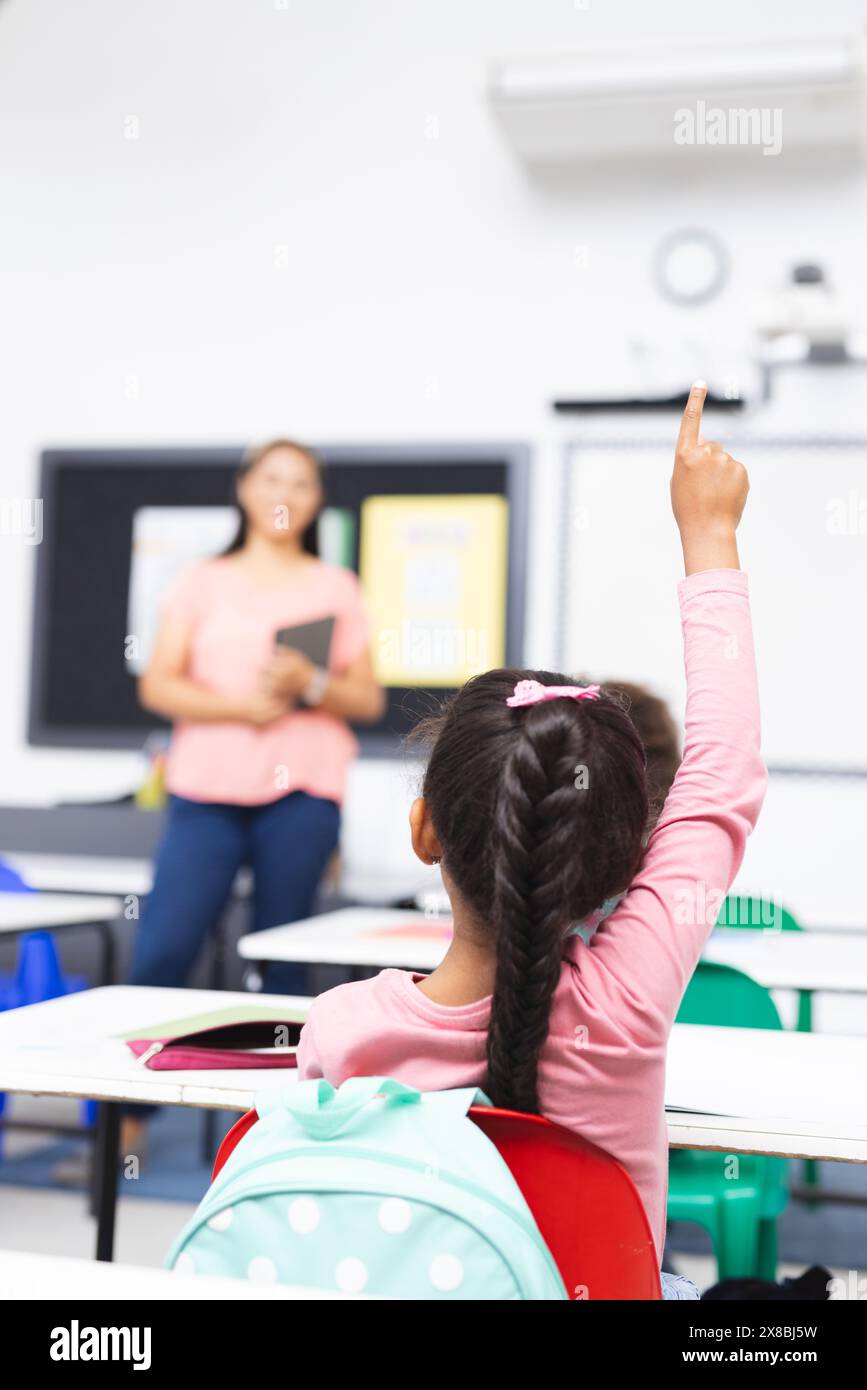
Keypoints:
pixel 677 1286
pixel 287 844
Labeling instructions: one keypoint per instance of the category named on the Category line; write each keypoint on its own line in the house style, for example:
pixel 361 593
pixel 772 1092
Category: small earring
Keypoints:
pixel 435 858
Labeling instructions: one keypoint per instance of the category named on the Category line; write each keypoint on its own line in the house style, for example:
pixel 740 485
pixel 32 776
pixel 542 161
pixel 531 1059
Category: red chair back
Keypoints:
pixel 585 1204
pixel 232 1138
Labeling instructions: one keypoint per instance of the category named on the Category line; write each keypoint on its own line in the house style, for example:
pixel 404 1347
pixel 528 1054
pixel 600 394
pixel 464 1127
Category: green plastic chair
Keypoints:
pixel 743 911
pixel 738 1212
pixel 740 911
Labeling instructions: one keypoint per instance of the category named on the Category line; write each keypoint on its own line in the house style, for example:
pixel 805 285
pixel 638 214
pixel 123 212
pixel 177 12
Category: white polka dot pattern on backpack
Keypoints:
pixel 351 1275
pixel 446 1273
pixel 394 1215
pixel 304 1215
pixel 261 1270
pixel 222 1220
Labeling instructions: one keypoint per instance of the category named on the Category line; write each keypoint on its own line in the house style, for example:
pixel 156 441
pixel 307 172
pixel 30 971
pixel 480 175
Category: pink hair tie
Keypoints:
pixel 533 692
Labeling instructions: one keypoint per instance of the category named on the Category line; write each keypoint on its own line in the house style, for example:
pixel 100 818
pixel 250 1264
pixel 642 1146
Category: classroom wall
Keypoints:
pixel 225 220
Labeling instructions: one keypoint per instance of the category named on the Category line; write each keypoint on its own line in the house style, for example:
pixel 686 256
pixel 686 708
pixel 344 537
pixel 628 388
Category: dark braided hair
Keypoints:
pixel 540 811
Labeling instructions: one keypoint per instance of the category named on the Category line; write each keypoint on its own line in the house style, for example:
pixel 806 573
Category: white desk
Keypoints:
pixel 74 879
pixel 70 1047
pixel 376 936
pixel 94 873
pixel 833 962
pixel 24 912
pixel 82 873
pixel 756 1084
pixel 801 1095
pixel 27 1277
pixel 754 1090
pixel 20 912
pixel 825 962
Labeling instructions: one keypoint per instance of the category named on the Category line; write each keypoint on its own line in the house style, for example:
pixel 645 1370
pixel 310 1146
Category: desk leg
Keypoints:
pixel 218 964
pixel 105 1187
pixel 108 952
pixel 218 981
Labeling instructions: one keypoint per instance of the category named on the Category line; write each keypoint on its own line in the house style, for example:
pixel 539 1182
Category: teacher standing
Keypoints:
pixel 260 748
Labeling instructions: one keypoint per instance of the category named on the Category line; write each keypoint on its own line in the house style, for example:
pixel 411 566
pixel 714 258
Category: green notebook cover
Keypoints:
pixel 236 1013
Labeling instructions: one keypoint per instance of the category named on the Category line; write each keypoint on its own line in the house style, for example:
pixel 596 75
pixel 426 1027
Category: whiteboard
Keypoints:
pixel 803 541
pixel 807 852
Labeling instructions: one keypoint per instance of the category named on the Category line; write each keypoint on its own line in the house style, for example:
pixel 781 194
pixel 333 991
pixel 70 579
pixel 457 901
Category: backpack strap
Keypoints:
pixel 323 1112
pixel 456 1103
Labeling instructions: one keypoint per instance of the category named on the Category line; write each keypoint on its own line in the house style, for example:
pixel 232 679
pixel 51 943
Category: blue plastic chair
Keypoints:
pixel 37 975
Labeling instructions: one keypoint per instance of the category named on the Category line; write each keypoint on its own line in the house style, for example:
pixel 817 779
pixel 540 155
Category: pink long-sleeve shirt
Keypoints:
pixel 602 1069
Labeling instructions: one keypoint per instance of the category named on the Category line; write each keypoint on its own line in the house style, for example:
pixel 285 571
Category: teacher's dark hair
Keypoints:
pixel 540 812
pixel 253 457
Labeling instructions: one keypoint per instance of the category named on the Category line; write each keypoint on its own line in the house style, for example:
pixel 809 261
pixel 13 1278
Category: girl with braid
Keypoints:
pixel 535 802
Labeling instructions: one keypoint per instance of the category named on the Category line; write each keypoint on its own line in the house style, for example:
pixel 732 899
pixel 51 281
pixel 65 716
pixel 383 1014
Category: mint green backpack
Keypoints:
pixel 375 1188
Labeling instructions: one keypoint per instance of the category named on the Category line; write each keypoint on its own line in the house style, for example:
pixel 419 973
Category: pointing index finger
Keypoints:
pixel 690 425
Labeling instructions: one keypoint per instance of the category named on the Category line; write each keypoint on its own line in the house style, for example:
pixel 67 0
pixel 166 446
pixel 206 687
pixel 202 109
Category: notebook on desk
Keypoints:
pixel 214 1018
pixel 256 1040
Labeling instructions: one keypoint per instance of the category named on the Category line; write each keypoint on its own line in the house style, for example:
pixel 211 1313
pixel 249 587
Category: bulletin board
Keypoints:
pixel 437 532
pixel 435 577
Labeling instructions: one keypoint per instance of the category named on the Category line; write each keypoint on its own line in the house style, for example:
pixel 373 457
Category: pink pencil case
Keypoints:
pixel 225 1047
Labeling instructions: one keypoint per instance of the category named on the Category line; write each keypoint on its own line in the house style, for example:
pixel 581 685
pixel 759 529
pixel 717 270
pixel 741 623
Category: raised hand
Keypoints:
pixel 708 493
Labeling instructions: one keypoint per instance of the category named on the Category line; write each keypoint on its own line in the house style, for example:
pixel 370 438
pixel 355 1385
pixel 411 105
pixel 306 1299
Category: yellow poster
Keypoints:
pixel 434 572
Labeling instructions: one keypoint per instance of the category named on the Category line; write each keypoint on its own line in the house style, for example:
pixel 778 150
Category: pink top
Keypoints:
pixel 233 622
pixel 602 1070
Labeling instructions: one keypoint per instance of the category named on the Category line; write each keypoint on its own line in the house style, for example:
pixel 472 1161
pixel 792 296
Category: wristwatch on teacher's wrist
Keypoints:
pixel 314 691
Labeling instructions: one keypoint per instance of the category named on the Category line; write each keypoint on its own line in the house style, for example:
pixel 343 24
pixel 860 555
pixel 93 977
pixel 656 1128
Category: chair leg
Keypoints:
pixel 737 1250
pixel 804 1024
pixel 768 1248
